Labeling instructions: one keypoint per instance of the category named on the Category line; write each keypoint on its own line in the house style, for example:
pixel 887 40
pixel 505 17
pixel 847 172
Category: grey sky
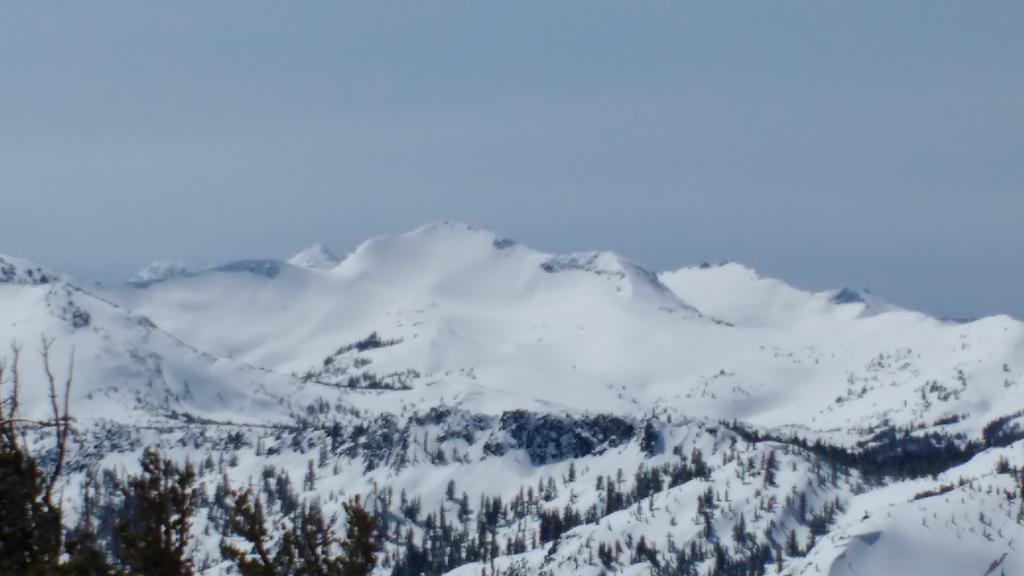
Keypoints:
pixel 827 143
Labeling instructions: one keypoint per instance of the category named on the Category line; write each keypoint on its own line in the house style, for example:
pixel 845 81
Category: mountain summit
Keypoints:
pixel 315 257
pixel 502 406
pixel 158 270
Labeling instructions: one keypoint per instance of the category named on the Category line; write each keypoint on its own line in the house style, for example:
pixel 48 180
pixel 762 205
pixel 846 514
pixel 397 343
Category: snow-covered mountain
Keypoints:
pixel 316 257
pixel 160 270
pixel 740 296
pixel 719 415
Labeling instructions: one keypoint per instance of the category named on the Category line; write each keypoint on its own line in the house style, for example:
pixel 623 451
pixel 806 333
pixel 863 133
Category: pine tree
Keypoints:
pixel 811 540
pixel 310 547
pixel 154 531
pixel 739 531
pixel 771 464
pixel 30 527
pixel 85 556
pixel 309 482
pixel 359 547
pixel 315 541
pixel 651 439
pixel 248 521
pixel 322 456
pixel 792 546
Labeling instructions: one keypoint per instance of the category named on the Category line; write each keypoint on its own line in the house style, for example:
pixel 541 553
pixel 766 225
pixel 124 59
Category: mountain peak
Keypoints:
pixel 20 271
pixel 848 295
pixel 315 257
pixel 158 270
pixel 458 230
pixel 433 249
pixel 447 226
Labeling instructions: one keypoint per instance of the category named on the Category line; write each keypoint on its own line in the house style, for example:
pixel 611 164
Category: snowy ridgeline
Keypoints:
pixel 507 411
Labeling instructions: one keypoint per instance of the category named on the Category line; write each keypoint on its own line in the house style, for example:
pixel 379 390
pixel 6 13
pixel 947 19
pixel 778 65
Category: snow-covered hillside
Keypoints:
pixel 596 332
pixel 560 413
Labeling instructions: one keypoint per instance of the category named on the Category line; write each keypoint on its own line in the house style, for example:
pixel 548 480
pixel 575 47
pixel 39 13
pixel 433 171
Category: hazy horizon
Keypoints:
pixel 870 146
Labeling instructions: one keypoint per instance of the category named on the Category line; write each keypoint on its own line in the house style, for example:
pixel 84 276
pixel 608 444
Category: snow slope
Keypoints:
pixel 125 368
pixel 971 529
pixel 741 296
pixel 448 353
pixel 596 332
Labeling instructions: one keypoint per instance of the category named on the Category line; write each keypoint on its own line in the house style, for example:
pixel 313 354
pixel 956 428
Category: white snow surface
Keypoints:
pixel 316 257
pixel 472 322
pixel 596 332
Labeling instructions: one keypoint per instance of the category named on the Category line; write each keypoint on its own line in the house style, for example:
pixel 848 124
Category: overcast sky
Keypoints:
pixel 869 144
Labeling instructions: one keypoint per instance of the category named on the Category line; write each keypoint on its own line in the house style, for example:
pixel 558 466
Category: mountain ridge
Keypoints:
pixel 448 354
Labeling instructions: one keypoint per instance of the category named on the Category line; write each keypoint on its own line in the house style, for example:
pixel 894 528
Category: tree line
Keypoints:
pixel 140 525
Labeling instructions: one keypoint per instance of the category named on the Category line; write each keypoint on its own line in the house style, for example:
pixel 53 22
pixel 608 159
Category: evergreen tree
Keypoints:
pixel 158 506
pixel 739 531
pixel 309 548
pixel 792 546
pixel 248 521
pixel 309 482
pixel 85 555
pixel 85 558
pixel 359 547
pixel 30 526
pixel 315 541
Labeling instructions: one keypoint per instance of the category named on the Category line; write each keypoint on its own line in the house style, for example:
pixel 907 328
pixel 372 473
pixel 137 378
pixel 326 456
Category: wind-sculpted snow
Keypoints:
pixel 510 411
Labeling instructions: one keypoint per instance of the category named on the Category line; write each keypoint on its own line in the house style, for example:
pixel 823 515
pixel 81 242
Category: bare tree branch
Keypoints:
pixel 60 419
pixel 8 428
pixel 15 379
pixel 4 438
pixel 62 435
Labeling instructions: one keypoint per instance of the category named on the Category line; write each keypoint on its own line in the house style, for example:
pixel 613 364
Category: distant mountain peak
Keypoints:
pixel 316 257
pixel 158 270
pixel 447 226
pixel 459 230
pixel 848 296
